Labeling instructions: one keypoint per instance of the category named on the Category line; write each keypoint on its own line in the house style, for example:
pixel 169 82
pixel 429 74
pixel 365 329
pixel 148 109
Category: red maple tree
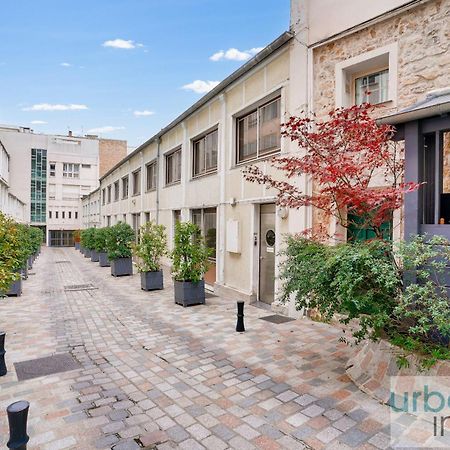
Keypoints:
pixel 356 167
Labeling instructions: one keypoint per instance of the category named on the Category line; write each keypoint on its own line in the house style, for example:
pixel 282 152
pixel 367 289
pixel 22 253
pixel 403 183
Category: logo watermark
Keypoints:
pixel 420 412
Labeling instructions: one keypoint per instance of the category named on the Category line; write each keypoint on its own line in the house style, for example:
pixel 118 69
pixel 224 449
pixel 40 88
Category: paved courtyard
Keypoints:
pixel 152 374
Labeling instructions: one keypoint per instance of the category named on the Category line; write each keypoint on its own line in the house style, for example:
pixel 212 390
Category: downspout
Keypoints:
pixel 158 166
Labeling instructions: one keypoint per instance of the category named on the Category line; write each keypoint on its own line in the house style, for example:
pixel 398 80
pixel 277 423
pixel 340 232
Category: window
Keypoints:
pixel 147 217
pixel 206 220
pixel 124 218
pixel 63 214
pixel 52 169
pixel 109 193
pixel 108 221
pixel 372 88
pixel 152 174
pixel 125 187
pixel 173 167
pixel 86 166
pixel 103 196
pixel 205 154
pixel 116 191
pixel 70 214
pixel 71 170
pixel 137 182
pixel 49 214
pixel 56 214
pixel 259 132
pixel 176 218
pixel 38 205
pixel 136 218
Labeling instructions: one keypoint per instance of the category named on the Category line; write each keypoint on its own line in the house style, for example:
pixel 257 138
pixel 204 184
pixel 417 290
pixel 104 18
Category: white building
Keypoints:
pixel 50 174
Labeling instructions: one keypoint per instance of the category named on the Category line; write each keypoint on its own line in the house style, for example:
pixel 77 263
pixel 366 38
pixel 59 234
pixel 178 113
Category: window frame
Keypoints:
pixel 139 172
pixel 166 172
pixel 243 115
pixel 116 191
pixel 71 173
pixel 196 141
pixel 52 172
pixel 154 164
pixel 126 194
pixel 368 73
pixel 108 193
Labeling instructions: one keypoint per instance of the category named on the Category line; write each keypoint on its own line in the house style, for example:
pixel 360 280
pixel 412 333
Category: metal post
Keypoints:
pixel 17 418
pixel 3 369
pixel 240 317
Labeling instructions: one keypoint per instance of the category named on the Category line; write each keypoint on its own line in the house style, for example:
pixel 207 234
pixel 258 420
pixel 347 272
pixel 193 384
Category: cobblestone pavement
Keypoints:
pixel 156 375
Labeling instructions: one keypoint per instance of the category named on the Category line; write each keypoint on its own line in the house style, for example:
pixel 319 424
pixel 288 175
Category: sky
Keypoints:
pixel 123 69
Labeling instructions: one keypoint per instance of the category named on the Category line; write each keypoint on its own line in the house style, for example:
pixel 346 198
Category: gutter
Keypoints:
pixel 417 114
pixel 263 54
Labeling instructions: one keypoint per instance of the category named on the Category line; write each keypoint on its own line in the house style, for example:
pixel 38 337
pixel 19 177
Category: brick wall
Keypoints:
pixel 111 151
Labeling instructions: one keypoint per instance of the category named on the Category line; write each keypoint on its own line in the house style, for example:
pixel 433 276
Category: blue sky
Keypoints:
pixel 87 65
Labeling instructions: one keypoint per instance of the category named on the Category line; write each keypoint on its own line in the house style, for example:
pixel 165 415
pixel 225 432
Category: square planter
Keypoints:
pixel 77 246
pixel 188 293
pixel 16 289
pixel 82 250
pixel 152 281
pixel 121 267
pixel 24 272
pixel 103 260
pixel 87 253
pixel 94 256
pixel 30 263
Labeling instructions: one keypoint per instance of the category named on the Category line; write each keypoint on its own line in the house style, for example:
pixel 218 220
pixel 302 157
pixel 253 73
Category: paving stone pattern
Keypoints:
pixel 156 375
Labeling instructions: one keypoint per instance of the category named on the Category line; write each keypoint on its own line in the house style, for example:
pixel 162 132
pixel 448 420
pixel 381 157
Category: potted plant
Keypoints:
pixel 189 264
pixel 93 244
pixel 88 240
pixel 76 239
pixel 150 249
pixel 83 241
pixel 101 237
pixel 13 255
pixel 118 244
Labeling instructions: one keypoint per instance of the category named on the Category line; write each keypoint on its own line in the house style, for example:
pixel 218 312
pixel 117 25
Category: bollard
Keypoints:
pixel 3 369
pixel 17 418
pixel 240 317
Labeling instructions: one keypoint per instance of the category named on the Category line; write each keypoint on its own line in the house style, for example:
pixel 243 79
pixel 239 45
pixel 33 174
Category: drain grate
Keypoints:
pixel 79 287
pixel 276 318
pixel 63 261
pixel 49 365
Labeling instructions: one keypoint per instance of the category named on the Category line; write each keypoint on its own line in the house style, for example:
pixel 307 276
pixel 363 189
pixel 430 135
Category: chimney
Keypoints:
pixel 70 133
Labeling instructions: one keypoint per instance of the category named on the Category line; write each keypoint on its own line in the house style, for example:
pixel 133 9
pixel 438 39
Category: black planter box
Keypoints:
pixel 30 263
pixel 103 260
pixel 16 289
pixel 82 250
pixel 77 246
pixel 24 272
pixel 94 256
pixel 87 253
pixel 121 267
pixel 152 281
pixel 188 293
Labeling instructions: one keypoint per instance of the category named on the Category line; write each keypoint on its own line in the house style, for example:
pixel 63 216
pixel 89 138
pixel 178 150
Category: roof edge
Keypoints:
pixel 249 65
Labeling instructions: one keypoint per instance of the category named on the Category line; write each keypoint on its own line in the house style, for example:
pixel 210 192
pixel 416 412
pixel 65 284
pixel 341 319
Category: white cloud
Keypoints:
pixel 105 129
pixel 233 54
pixel 38 122
pixel 65 64
pixel 200 86
pixel 122 43
pixel 146 112
pixel 55 107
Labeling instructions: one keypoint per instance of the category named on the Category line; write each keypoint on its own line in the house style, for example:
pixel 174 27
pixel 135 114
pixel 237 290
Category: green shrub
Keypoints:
pixel 190 254
pixel 11 252
pixel 152 246
pixel 119 240
pixel 101 238
pixel 89 238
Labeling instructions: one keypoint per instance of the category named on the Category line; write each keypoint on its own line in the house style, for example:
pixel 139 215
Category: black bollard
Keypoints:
pixel 240 317
pixel 3 369
pixel 17 418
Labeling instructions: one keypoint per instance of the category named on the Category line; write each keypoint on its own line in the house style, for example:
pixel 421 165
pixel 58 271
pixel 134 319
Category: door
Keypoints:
pixel 267 253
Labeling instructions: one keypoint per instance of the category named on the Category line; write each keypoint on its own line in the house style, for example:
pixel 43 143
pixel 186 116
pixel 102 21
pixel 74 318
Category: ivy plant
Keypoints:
pixel 151 247
pixel 190 254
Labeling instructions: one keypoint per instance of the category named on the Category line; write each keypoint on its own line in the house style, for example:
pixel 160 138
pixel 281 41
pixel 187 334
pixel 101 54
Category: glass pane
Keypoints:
pixel 199 157
pixel 211 143
pixel 270 127
pixel 247 132
pixel 210 230
pixel 445 180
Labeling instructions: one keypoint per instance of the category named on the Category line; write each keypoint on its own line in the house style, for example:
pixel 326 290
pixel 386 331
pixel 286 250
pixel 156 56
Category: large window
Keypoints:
pixel 109 194
pixel 125 183
pixel 259 132
pixel 173 167
pixel 372 88
pixel 137 182
pixel 116 191
pixel 151 176
pixel 38 185
pixel 71 170
pixel 205 154
pixel 207 222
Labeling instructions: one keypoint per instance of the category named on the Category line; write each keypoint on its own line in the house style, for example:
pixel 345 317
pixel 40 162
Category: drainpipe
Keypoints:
pixel 158 165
